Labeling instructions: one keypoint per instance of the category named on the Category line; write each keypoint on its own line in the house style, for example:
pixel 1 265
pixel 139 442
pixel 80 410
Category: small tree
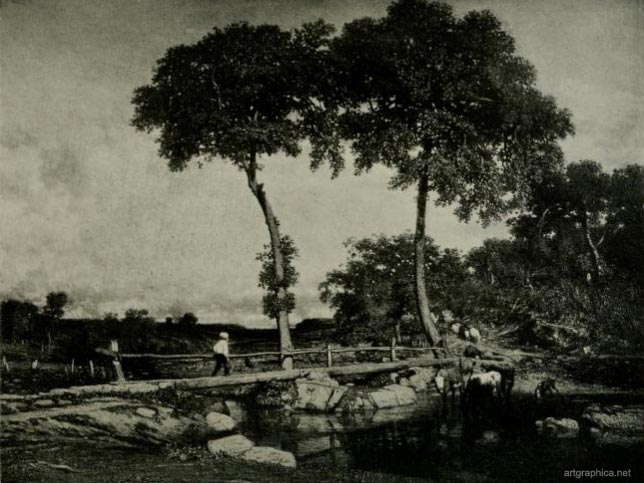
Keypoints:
pixel 188 320
pixel 53 312
pixel 273 303
pixel 137 330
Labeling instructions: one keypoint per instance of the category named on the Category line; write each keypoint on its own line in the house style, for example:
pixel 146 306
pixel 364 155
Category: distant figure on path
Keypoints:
pixel 221 354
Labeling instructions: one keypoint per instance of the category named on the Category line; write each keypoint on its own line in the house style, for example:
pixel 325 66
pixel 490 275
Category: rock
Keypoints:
pixel 561 428
pixel 614 425
pixel 489 437
pixel 216 407
pixel 318 392
pixel 220 423
pixel 312 396
pixel 113 421
pixel 230 445
pixel 267 455
pixel 146 412
pixel 336 397
pixel 392 396
pixel 234 410
pixel 322 377
pixel 44 403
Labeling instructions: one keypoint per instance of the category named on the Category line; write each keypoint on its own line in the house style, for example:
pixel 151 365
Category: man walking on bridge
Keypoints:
pixel 221 354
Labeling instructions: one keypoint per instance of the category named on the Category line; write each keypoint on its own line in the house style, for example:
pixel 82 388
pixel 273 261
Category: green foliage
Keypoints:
pixel 56 302
pixel 187 320
pixel 578 220
pixel 136 331
pixel 374 290
pixel 272 303
pixel 239 89
pixel 18 319
pixel 429 94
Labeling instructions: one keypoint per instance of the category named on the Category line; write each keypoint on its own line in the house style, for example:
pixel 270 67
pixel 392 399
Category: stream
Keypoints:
pixel 423 442
pixel 433 441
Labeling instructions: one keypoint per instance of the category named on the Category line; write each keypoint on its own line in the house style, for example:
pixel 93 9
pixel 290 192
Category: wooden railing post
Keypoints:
pixel 114 347
pixel 392 349
pixel 329 356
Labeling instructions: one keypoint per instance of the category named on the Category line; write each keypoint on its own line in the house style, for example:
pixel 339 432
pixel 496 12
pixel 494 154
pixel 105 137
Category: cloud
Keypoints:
pixel 89 208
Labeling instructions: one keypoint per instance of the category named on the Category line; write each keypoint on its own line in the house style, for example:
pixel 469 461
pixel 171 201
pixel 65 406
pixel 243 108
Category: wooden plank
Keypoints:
pixel 282 375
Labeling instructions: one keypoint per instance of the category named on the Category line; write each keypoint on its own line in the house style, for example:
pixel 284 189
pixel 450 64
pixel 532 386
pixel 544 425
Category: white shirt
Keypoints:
pixel 221 347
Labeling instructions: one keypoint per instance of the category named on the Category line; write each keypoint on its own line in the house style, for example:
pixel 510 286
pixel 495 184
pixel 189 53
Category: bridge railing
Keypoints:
pixel 392 351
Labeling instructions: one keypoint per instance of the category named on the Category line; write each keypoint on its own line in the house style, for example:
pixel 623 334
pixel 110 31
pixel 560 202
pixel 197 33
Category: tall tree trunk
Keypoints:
pixel 273 231
pixel 422 302
pixel 598 268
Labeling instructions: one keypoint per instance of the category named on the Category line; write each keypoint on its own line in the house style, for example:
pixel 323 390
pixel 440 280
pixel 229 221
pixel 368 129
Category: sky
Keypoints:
pixel 88 207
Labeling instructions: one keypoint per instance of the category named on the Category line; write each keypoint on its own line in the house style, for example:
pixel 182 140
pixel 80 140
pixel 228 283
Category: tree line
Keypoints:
pixel 574 261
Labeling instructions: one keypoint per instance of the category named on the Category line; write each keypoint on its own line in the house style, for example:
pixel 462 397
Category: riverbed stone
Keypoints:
pixel 146 412
pixel 317 392
pixel 560 428
pixel 44 403
pixel 234 445
pixel 268 455
pixel 234 410
pixel 220 423
pixel 392 396
pixel 614 425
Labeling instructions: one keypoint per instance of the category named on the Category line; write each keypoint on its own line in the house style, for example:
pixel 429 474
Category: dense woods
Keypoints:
pixel 571 274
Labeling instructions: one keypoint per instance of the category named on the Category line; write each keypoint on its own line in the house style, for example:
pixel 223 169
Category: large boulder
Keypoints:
pixel 615 425
pixel 560 428
pixel 220 423
pixel 267 455
pixel 112 421
pixel 234 445
pixel 318 392
pixel 355 400
pixel 392 396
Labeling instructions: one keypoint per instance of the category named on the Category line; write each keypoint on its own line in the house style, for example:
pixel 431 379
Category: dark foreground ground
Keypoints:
pixel 140 466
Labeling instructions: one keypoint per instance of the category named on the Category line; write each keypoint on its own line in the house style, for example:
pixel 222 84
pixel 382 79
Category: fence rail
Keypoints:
pixel 332 350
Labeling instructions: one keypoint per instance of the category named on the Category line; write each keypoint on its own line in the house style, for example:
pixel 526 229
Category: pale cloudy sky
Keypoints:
pixel 88 207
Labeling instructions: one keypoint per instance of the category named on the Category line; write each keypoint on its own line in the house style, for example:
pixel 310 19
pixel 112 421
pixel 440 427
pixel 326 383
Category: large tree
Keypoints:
pixel 242 94
pixel 447 104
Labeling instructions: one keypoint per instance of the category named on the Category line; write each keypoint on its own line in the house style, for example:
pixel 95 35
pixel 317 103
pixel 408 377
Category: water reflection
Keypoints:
pixel 433 440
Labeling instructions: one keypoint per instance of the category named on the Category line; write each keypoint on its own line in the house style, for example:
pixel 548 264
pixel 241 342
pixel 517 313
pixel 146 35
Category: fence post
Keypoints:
pixel 114 347
pixel 392 349
pixel 329 356
pixel 286 360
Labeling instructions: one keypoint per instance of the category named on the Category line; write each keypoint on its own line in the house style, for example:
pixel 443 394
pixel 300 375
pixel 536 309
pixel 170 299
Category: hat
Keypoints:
pixel 223 335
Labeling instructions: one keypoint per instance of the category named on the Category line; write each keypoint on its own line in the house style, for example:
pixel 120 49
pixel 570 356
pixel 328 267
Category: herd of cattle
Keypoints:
pixel 478 386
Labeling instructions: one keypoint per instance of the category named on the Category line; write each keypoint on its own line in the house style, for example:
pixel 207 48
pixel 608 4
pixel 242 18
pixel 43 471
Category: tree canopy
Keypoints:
pixel 448 105
pixel 372 293
pixel 431 94
pixel 242 88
